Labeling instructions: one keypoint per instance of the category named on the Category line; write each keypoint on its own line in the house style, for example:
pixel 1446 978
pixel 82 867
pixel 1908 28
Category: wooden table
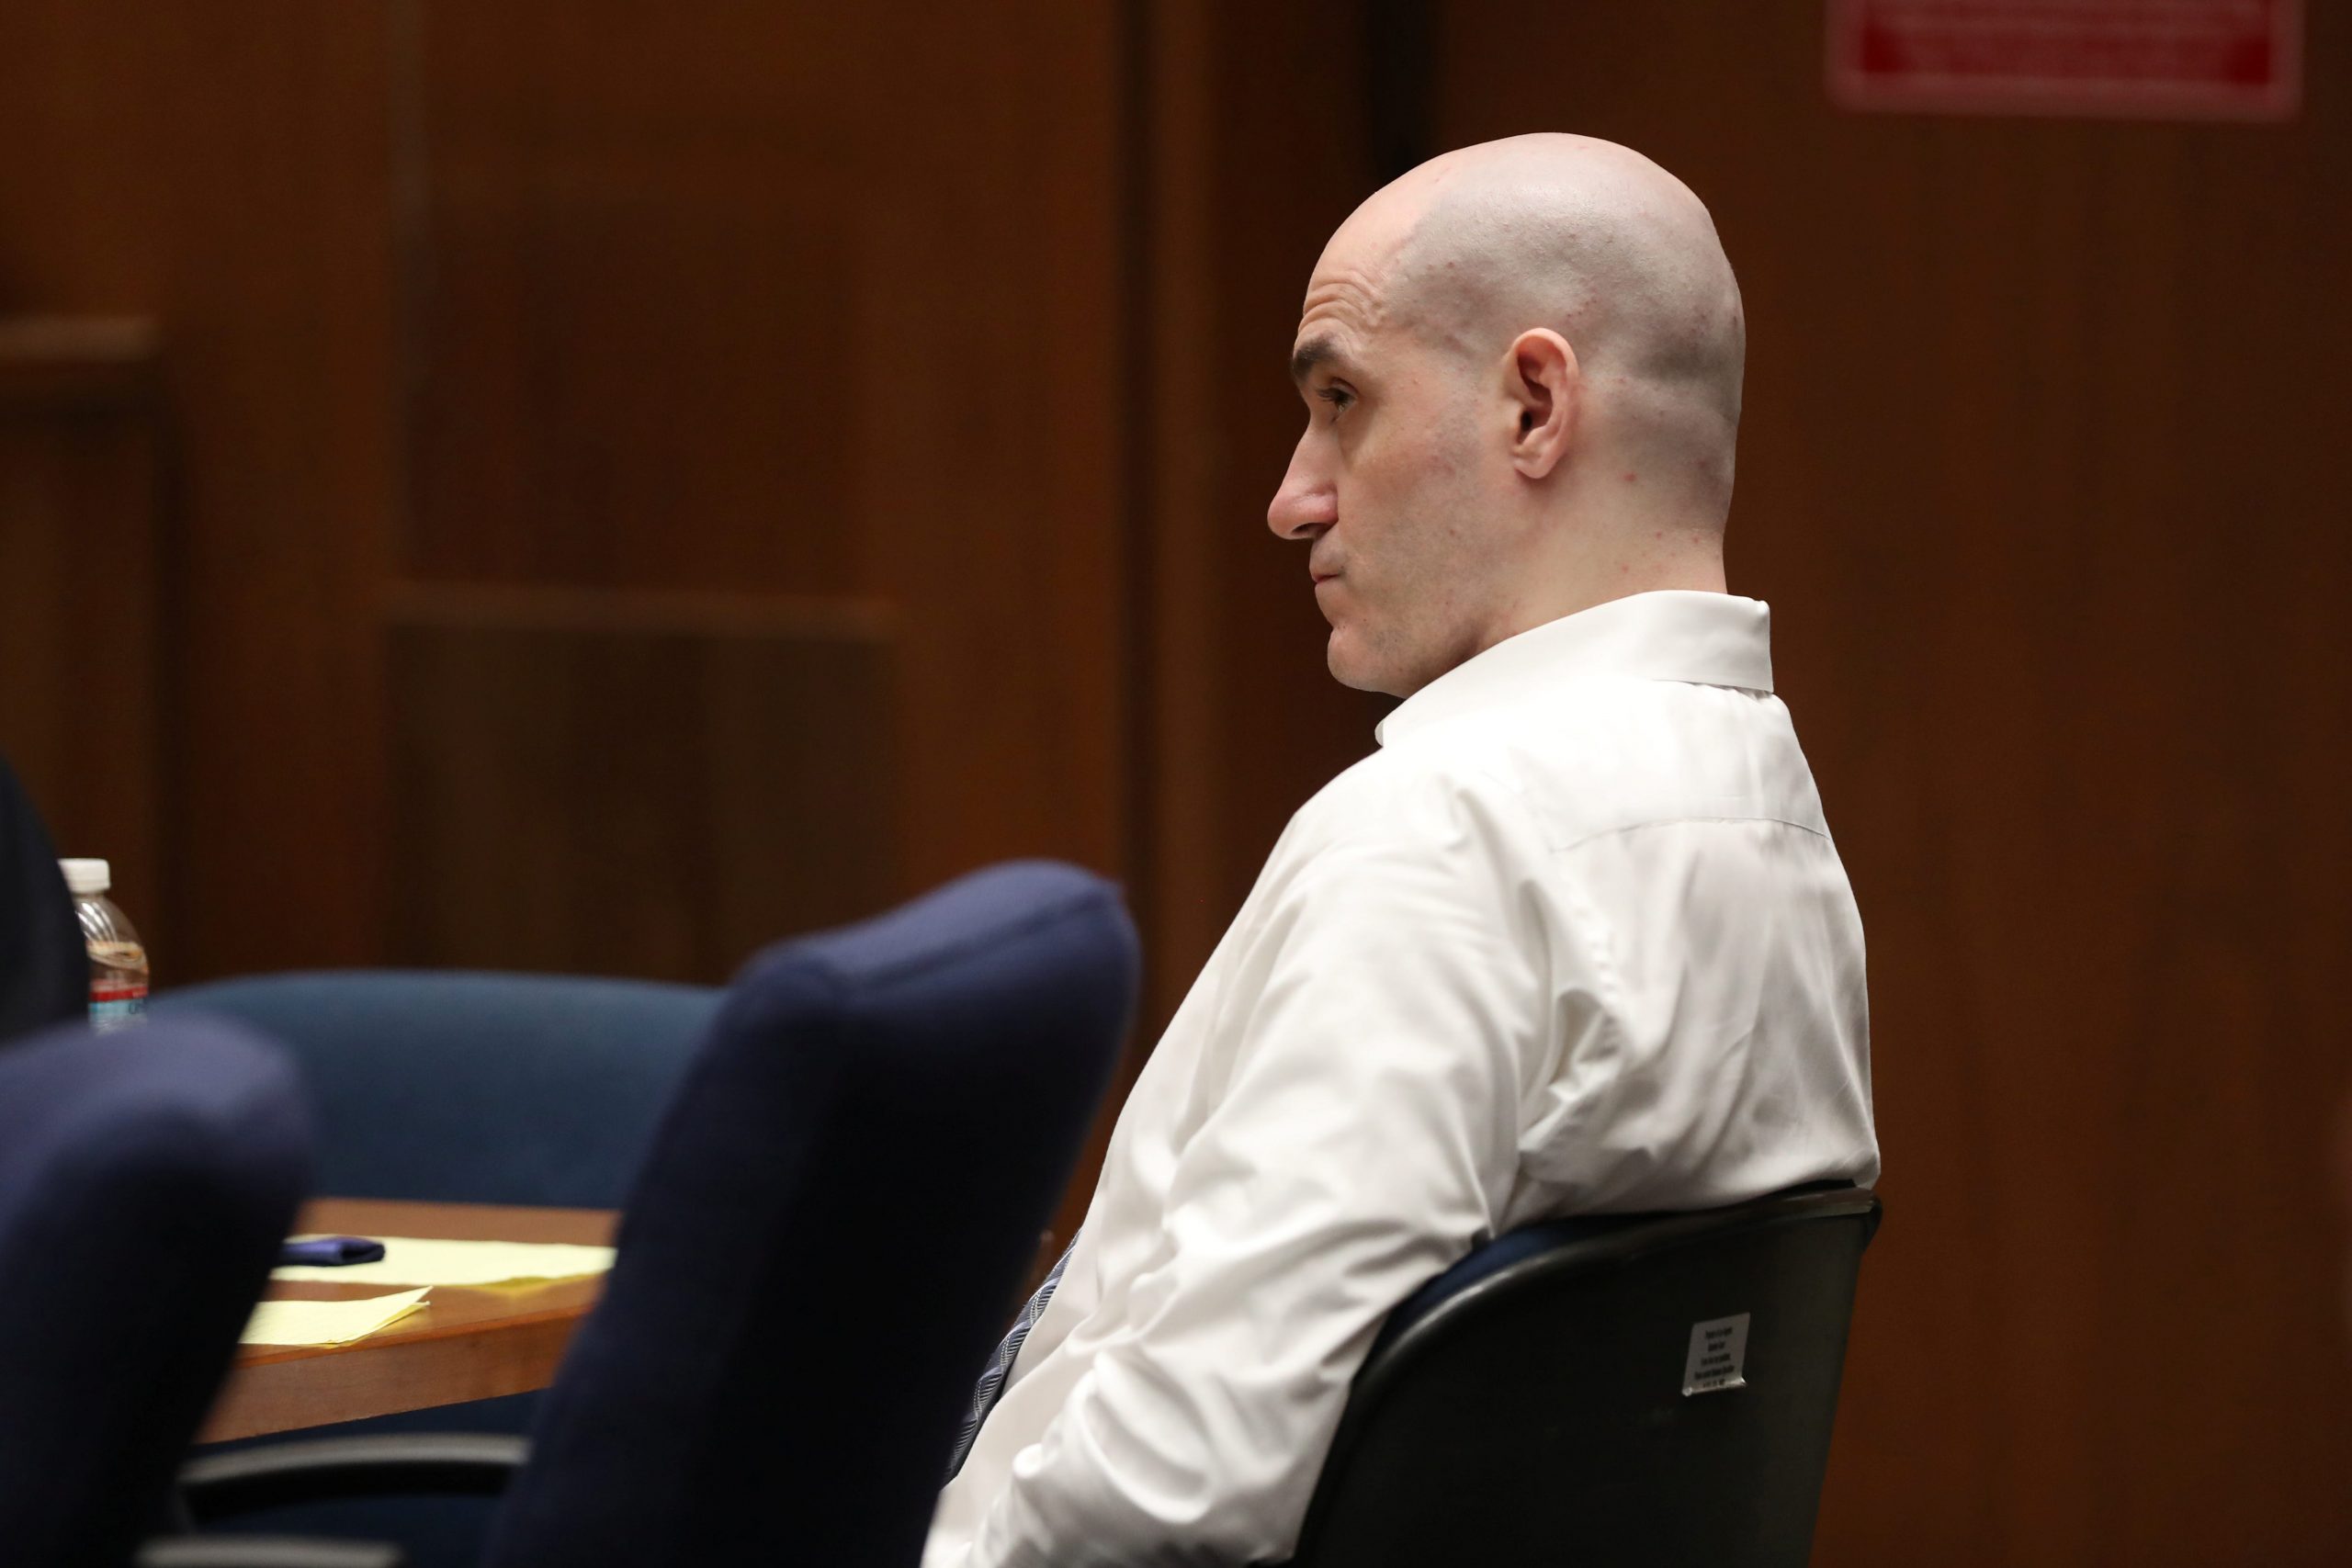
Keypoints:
pixel 463 1343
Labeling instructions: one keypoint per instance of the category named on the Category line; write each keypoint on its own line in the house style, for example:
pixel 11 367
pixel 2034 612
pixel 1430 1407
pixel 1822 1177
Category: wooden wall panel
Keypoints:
pixel 597 784
pixel 630 278
pixel 987 393
pixel 224 170
pixel 1257 148
pixel 82 575
pixel 784 299
pixel 790 299
pixel 809 303
pixel 2037 475
pixel 796 300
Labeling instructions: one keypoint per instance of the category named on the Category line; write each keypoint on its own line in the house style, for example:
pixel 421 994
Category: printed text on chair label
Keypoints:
pixel 1718 1356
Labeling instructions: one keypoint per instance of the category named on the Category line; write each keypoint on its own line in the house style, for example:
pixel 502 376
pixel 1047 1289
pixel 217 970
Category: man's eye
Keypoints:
pixel 1340 398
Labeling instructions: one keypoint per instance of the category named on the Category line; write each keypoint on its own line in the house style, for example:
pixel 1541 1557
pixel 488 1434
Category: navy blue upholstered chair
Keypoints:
pixel 146 1179
pixel 818 1254
pixel 44 969
pixel 1644 1389
pixel 456 1087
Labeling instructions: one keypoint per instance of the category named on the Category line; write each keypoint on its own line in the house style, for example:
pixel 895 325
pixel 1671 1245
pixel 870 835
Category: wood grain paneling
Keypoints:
pixel 1257 148
pixel 791 301
pixel 787 300
pixel 799 299
pixel 597 783
pixel 637 241
pixel 992 509
pixel 224 170
pixel 82 539
pixel 2038 474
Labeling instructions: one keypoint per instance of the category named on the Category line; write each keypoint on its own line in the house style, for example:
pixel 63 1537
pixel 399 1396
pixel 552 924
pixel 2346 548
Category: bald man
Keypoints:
pixel 1575 939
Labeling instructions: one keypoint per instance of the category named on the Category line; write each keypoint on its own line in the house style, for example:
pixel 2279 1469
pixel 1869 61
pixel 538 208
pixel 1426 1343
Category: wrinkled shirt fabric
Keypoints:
pixel 1574 939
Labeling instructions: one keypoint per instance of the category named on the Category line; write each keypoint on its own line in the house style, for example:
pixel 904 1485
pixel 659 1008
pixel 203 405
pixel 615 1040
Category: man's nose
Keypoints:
pixel 1305 504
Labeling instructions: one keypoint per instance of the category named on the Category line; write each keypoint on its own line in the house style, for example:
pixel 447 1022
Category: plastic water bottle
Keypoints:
pixel 118 961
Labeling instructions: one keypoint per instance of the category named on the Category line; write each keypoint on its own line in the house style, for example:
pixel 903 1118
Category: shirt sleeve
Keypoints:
pixel 1383 1015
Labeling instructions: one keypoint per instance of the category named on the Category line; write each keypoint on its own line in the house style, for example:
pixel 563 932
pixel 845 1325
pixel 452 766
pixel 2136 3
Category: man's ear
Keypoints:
pixel 1540 378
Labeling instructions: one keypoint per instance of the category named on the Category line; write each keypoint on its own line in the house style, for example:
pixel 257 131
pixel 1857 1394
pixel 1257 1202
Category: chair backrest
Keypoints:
pixel 1649 1389
pixel 44 969
pixel 820 1248
pixel 146 1180
pixel 453 1087
pixel 450 1086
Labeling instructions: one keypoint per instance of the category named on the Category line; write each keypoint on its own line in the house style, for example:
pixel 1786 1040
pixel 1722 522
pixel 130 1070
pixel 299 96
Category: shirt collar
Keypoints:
pixel 1709 639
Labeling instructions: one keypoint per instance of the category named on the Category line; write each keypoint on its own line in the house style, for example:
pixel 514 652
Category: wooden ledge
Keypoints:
pixel 65 362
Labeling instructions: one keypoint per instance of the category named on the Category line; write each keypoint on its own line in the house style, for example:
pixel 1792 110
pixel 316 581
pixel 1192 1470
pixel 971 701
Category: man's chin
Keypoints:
pixel 1351 666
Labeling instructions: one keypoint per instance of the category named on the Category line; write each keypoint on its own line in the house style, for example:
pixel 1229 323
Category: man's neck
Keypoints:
pixel 1660 569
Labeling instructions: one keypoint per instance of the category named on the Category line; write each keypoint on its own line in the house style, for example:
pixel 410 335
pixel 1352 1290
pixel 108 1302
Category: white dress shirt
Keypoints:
pixel 1574 939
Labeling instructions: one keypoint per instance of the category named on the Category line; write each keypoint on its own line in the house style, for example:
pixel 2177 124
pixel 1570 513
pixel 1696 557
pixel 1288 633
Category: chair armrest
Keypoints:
pixel 266 1551
pixel 462 1464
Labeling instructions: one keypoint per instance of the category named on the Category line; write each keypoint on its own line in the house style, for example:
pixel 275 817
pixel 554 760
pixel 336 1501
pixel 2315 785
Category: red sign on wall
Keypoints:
pixel 2159 59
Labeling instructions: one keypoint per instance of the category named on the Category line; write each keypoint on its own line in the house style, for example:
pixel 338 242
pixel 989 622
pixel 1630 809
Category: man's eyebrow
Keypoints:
pixel 1314 350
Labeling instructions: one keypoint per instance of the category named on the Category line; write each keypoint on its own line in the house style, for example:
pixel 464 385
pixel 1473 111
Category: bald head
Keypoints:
pixel 1535 346
pixel 1595 242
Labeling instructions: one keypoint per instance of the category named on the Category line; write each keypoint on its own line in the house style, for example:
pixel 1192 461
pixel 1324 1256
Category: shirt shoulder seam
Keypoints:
pixel 1630 828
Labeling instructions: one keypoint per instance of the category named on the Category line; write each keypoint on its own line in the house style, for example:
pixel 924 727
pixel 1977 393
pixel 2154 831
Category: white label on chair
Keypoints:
pixel 1718 1356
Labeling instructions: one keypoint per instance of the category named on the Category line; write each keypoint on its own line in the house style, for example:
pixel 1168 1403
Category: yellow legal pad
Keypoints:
pixel 326 1322
pixel 409 1261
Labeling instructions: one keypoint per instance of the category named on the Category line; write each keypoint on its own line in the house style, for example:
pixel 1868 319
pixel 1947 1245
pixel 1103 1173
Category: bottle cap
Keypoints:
pixel 86 875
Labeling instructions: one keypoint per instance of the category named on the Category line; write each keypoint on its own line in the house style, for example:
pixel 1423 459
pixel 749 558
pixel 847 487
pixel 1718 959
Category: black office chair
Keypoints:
pixel 816 1258
pixel 1630 1390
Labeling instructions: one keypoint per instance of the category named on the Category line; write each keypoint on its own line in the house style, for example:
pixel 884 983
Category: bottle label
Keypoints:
pixel 117 1004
